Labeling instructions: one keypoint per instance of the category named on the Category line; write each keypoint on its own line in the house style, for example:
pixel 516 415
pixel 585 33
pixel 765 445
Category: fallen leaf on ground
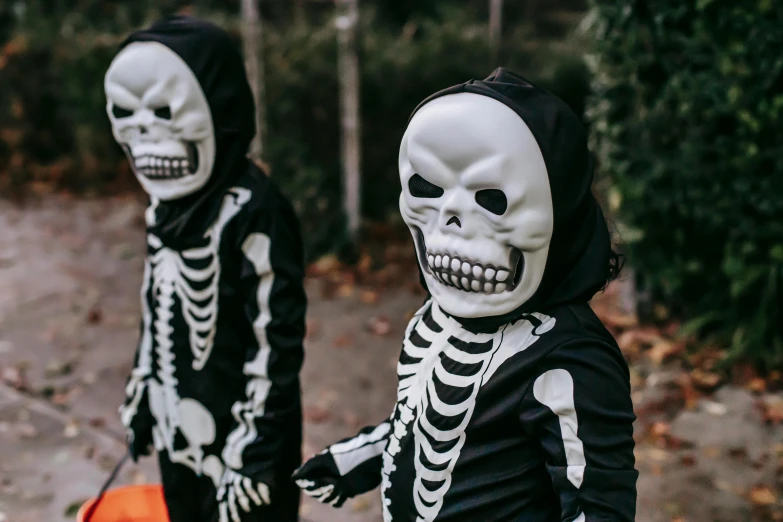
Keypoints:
pixel 762 496
pixel 379 325
pixel 663 350
pixel 659 429
pixel 772 409
pixel 94 316
pixel 345 290
pixel 98 422
pixel 637 380
pixel 369 296
pixel 360 505
pixel 57 368
pixel 60 398
pixel 73 508
pixel 636 338
pixel 757 385
pixel 323 266
pixel 15 377
pixel 687 460
pixel 343 341
pixel 619 320
pixel 705 380
pixel 676 443
pixel 738 453
pixel 315 415
pixel 71 429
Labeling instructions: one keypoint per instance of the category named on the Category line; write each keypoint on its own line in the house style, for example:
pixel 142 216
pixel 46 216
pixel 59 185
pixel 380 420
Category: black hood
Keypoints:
pixel 580 260
pixel 214 59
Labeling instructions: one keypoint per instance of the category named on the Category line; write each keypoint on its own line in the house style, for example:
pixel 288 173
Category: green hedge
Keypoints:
pixel 687 121
pixel 53 127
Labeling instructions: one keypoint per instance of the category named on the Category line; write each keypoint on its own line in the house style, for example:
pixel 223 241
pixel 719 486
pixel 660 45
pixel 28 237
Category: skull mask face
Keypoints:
pixel 161 118
pixel 476 197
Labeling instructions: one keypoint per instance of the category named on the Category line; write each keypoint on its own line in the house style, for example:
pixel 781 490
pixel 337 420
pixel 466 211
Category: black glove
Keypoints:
pixel 320 479
pixel 139 436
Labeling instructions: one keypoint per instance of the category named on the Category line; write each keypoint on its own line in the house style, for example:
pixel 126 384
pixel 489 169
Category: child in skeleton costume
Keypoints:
pixel 215 385
pixel 513 401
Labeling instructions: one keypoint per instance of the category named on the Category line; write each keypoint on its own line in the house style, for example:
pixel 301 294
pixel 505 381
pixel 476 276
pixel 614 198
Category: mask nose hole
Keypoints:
pixel 143 129
pixel 455 220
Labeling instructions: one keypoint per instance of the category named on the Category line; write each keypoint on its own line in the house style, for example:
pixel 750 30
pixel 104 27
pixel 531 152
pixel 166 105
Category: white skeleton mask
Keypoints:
pixel 476 196
pixel 160 116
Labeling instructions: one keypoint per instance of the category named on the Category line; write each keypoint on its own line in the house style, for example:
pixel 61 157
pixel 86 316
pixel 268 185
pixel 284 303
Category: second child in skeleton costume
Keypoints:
pixel 215 385
pixel 513 401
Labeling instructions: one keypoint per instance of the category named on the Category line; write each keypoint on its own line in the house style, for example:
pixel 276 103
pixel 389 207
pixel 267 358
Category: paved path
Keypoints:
pixel 69 278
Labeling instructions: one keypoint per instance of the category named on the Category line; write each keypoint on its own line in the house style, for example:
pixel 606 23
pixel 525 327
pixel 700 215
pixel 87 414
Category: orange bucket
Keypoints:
pixel 142 503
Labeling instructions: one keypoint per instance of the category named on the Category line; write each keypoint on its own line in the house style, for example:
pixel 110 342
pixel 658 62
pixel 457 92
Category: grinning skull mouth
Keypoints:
pixel 158 167
pixel 463 274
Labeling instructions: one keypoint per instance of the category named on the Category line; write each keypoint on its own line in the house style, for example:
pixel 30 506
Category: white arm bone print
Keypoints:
pixel 137 382
pixel 256 249
pixel 555 390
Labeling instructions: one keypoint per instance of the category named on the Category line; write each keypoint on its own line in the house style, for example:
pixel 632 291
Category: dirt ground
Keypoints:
pixel 70 271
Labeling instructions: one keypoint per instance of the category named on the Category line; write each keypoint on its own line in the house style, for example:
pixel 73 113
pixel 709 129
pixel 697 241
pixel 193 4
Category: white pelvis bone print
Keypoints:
pixel 476 197
pixel 160 116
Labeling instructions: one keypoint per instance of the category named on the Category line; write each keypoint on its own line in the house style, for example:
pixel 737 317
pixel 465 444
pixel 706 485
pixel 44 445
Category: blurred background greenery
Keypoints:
pixel 683 99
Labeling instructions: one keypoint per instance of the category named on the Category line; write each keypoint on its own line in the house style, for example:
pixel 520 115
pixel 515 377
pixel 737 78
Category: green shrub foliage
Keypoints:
pixel 687 122
pixel 53 126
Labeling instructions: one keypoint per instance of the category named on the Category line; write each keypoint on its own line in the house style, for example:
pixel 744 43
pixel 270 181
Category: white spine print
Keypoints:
pixel 256 249
pixel 418 391
pixel 173 276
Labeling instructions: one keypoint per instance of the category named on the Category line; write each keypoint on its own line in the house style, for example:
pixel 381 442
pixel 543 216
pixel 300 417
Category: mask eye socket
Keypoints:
pixel 163 113
pixel 120 112
pixel 421 188
pixel 493 200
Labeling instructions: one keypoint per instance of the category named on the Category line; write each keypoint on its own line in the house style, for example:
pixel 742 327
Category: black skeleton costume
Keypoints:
pixel 513 401
pixel 215 385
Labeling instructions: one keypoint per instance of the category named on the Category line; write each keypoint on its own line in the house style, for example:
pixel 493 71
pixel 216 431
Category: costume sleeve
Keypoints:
pixel 579 408
pixel 345 469
pixel 271 284
pixel 135 388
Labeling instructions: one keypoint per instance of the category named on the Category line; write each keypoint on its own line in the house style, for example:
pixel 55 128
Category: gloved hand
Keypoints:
pixel 238 491
pixel 320 479
pixel 139 431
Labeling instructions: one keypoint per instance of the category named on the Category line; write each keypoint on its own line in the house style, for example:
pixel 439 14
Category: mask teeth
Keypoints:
pixel 470 277
pixel 161 167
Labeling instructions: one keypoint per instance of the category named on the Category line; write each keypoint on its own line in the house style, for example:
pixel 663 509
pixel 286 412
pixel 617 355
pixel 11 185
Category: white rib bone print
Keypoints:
pixel 173 274
pixel 420 403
